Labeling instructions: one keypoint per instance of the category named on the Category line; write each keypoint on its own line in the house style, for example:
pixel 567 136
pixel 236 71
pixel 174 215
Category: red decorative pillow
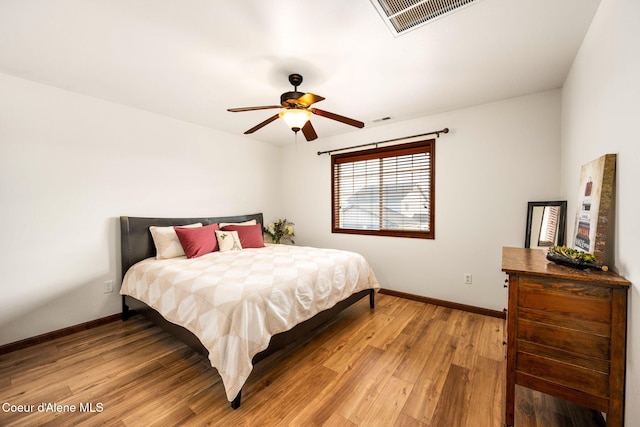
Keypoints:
pixel 198 241
pixel 250 235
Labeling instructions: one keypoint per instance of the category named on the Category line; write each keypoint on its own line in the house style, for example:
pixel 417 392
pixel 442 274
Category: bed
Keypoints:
pixel 237 307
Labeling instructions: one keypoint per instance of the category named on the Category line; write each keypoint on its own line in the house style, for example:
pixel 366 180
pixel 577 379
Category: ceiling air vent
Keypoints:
pixel 402 16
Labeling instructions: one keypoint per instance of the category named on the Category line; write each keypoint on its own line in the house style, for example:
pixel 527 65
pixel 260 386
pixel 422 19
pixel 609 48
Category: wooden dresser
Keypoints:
pixel 566 333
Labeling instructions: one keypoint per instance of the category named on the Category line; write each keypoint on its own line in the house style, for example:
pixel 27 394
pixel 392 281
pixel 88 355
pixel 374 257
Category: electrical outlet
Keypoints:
pixel 467 278
pixel 107 286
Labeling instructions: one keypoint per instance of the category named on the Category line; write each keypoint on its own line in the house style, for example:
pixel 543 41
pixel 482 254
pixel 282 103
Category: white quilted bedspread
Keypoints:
pixel 235 301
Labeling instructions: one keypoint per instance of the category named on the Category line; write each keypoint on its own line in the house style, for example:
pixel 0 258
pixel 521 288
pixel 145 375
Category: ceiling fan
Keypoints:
pixel 297 112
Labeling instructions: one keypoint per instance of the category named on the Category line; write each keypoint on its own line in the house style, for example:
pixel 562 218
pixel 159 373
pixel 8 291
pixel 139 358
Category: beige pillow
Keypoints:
pixel 166 241
pixel 228 240
pixel 250 222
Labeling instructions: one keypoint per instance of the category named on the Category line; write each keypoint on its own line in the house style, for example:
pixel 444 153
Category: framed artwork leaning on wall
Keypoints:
pixel 594 213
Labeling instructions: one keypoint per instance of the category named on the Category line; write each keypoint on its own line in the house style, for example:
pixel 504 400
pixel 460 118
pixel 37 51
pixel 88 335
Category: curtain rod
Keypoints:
pixel 435 132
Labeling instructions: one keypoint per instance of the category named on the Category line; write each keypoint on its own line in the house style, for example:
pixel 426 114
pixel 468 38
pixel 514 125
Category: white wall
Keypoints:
pixel 496 158
pixel 600 111
pixel 70 165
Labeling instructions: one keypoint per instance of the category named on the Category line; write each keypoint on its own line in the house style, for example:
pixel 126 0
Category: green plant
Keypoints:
pixel 281 229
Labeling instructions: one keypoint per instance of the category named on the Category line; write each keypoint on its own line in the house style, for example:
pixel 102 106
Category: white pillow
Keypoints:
pixel 228 240
pixel 250 222
pixel 167 242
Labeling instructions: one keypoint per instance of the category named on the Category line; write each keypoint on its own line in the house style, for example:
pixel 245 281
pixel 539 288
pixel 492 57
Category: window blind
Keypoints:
pixel 386 191
pixel 549 226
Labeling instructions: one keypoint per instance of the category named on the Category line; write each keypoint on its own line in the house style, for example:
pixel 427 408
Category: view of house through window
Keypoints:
pixel 385 191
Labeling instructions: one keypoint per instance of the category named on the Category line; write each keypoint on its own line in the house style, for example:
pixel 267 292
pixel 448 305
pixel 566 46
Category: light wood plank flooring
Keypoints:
pixel 404 363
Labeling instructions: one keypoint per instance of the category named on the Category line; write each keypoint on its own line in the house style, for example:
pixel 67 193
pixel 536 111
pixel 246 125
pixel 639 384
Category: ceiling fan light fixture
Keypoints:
pixel 296 112
pixel 295 118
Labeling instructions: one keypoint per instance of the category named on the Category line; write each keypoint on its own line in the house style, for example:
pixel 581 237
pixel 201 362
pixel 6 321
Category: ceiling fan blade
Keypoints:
pixel 309 98
pixel 309 132
pixel 258 126
pixel 337 117
pixel 265 107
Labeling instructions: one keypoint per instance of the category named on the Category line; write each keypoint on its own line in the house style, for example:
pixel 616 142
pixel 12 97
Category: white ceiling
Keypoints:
pixel 193 59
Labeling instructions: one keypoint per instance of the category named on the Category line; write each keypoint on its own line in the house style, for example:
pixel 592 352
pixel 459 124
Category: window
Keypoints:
pixel 549 226
pixel 385 191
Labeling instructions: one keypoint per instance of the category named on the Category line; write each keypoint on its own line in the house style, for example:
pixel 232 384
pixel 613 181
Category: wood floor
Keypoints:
pixel 404 363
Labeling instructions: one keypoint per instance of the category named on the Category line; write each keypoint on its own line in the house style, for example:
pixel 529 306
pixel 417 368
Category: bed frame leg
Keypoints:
pixel 125 310
pixel 372 298
pixel 235 404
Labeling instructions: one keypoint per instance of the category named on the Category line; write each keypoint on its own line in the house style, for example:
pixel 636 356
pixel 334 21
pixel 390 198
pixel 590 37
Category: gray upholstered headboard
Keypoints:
pixel 136 243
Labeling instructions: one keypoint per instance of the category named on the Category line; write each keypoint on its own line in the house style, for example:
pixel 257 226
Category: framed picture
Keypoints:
pixel 595 207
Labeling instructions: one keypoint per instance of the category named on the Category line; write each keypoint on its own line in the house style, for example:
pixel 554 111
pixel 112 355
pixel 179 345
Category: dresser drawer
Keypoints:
pixel 573 340
pixel 555 371
pixel 578 301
